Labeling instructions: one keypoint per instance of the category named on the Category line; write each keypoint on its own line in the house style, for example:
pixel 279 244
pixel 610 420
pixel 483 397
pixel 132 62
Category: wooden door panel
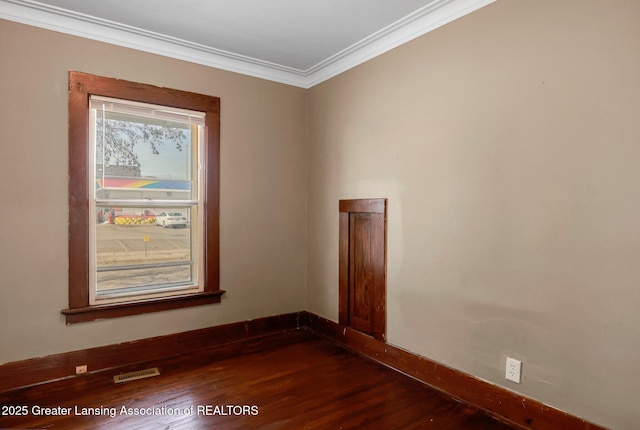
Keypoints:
pixel 362 267
pixel 361 276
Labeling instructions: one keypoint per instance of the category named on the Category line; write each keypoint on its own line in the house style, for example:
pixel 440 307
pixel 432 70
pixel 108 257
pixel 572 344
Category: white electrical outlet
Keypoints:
pixel 81 369
pixel 514 370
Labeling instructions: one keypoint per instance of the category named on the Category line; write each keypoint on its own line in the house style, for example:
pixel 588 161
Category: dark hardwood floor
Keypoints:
pixel 291 380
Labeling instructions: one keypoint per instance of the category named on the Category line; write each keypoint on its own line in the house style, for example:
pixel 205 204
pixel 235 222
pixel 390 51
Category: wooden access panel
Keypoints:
pixel 362 266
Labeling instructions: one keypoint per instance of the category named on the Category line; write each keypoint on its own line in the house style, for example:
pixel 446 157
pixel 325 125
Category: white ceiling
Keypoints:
pixel 297 42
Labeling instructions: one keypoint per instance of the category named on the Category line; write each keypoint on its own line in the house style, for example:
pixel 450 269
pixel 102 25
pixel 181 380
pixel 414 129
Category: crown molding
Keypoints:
pixel 424 20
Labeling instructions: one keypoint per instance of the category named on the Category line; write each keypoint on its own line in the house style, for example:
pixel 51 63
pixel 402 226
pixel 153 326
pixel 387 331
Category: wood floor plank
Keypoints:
pixel 292 380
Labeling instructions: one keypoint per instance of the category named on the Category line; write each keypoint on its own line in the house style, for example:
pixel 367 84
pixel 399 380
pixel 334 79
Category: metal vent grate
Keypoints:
pixel 140 374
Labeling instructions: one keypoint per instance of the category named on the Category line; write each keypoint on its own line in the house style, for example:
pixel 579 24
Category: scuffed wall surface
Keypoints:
pixel 508 145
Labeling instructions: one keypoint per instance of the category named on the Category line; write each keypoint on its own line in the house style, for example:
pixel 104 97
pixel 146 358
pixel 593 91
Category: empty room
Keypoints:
pixel 289 214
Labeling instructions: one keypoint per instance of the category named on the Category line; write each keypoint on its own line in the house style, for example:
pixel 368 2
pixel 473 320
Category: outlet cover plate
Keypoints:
pixel 514 370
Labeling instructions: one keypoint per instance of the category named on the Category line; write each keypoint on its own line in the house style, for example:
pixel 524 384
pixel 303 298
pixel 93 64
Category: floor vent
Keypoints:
pixel 140 374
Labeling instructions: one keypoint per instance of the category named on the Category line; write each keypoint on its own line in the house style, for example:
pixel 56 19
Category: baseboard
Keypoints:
pixel 505 405
pixel 41 370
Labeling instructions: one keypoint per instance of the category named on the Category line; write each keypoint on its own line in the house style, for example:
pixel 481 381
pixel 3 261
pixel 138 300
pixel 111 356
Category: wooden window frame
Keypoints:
pixel 81 87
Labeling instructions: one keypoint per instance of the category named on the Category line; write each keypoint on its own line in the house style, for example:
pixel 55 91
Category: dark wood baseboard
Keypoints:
pixel 236 338
pixel 503 404
pixel 40 370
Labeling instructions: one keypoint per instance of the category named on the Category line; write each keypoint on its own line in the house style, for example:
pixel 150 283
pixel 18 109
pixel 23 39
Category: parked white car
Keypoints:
pixel 171 219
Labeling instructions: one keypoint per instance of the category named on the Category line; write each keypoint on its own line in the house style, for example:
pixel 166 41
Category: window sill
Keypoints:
pixel 116 310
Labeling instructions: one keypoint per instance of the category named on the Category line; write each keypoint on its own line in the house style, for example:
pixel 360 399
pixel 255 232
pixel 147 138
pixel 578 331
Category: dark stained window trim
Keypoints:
pixel 81 87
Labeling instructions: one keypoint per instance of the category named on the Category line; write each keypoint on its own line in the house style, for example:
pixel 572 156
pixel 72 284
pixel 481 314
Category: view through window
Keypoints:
pixel 146 199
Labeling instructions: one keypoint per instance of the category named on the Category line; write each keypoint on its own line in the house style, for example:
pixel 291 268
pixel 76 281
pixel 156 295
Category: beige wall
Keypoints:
pixel 263 192
pixel 508 145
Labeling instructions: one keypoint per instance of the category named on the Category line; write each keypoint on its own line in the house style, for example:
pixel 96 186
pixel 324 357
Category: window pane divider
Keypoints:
pixel 144 266
pixel 146 203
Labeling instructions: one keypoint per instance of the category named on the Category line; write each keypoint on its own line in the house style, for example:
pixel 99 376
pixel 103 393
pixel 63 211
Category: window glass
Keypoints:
pixel 145 196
